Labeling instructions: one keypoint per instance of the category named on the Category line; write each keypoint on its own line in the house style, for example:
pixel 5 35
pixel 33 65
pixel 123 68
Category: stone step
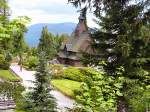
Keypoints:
pixel 7 103
pixel 3 107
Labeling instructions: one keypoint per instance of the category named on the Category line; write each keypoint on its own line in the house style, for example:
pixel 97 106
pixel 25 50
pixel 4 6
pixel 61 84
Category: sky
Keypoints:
pixel 47 11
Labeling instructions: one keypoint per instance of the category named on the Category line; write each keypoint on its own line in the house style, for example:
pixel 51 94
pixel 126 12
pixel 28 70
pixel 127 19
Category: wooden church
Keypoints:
pixel 79 42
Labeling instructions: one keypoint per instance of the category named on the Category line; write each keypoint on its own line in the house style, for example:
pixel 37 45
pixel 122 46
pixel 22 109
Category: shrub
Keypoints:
pixel 8 57
pixel 139 100
pixel 31 62
pixel 98 92
pixel 3 63
pixel 73 73
pixel 57 71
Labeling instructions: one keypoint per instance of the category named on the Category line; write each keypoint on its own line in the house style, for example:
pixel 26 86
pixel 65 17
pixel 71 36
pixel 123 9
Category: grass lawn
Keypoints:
pixel 19 111
pixel 7 75
pixel 66 86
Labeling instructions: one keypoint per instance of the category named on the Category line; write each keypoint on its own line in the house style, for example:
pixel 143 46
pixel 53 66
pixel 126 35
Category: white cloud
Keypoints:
pixel 46 11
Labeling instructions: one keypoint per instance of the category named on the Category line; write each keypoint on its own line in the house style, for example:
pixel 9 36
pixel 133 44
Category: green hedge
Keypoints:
pixel 73 73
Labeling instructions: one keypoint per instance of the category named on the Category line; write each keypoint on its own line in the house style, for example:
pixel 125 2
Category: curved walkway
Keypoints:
pixel 27 80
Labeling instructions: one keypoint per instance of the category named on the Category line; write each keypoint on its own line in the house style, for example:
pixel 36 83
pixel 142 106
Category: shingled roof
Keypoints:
pixel 75 44
pixel 78 37
pixel 79 42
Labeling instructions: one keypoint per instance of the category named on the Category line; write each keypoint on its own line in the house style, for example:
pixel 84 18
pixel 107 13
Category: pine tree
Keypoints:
pixel 42 100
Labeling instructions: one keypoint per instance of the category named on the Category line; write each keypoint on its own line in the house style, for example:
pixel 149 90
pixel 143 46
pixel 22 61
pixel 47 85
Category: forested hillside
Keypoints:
pixel 34 31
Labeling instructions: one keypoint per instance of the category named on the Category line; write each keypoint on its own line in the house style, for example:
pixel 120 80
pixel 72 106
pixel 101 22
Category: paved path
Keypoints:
pixel 28 78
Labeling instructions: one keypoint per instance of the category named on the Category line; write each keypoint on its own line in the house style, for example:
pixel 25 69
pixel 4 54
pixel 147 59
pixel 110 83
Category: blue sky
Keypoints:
pixel 46 11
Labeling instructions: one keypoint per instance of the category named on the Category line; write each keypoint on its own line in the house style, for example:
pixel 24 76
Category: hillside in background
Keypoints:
pixel 34 31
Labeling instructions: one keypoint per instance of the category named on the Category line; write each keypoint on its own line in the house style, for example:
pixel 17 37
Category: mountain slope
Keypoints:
pixel 34 31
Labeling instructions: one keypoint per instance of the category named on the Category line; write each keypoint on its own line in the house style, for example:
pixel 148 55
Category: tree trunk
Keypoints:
pixel 20 61
pixel 122 105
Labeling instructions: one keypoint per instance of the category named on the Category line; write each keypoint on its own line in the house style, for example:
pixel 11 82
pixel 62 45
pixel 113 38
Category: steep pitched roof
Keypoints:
pixel 79 42
pixel 75 44
pixel 78 37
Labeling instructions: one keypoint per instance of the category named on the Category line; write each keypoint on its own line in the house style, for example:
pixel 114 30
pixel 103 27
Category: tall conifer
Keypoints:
pixel 46 43
pixel 42 100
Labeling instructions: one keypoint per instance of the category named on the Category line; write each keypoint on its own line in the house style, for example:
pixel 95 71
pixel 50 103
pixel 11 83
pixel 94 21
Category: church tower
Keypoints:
pixel 79 43
pixel 82 25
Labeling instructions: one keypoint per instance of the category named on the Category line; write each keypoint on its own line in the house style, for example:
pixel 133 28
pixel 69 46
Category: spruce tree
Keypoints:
pixel 60 40
pixel 42 100
pixel 46 43
pixel 123 40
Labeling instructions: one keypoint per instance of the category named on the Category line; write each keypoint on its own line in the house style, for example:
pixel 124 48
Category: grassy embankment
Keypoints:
pixel 8 76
